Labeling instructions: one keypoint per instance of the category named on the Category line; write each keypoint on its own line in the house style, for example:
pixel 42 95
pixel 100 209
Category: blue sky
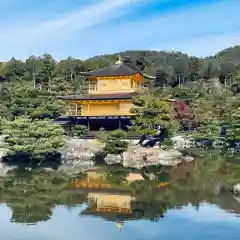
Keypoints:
pixel 210 222
pixel 84 28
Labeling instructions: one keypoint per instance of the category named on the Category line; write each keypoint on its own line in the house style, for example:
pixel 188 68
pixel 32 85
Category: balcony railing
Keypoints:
pixel 94 113
pixel 73 113
pixel 92 87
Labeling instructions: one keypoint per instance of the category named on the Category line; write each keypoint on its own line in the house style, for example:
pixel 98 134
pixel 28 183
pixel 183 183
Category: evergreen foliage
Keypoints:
pixel 32 139
pixel 29 88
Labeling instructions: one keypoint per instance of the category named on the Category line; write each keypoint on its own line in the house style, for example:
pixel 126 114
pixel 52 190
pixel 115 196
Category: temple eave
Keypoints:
pixel 109 215
pixel 96 97
pixel 111 209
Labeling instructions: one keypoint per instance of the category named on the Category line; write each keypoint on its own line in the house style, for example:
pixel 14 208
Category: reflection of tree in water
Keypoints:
pixel 30 214
pixel 211 174
pixel 149 209
pixel 116 174
pixel 147 204
pixel 209 182
pixel 202 181
pixel 32 195
pixel 210 178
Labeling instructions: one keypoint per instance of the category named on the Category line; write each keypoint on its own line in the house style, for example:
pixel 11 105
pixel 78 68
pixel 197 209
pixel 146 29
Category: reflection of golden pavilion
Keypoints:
pixel 119 225
pixel 105 202
pixel 115 207
pixel 103 195
pixel 105 199
pixel 94 179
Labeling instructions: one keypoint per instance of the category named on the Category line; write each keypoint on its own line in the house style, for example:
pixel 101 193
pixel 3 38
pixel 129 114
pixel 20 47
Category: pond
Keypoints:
pixel 110 202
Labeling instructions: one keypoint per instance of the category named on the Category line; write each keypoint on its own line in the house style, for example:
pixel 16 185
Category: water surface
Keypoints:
pixel 99 204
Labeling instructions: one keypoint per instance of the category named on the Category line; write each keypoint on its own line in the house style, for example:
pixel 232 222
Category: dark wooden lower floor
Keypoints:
pixel 96 123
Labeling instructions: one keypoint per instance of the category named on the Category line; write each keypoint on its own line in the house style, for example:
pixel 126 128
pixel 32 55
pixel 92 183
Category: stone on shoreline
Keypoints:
pixel 139 157
pixel 80 151
pixel 236 189
pixel 113 159
pixel 4 169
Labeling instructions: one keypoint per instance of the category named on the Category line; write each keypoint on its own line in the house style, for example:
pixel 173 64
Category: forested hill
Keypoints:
pixel 229 55
pixel 224 63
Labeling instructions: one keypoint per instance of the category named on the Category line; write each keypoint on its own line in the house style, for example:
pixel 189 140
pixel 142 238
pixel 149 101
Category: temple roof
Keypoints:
pixel 97 190
pixel 62 120
pixel 119 96
pixel 110 216
pixel 117 69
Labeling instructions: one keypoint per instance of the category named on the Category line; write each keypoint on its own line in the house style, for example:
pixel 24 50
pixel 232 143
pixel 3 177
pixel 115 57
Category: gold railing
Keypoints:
pixel 94 113
pixel 106 113
pixel 73 112
pixel 92 87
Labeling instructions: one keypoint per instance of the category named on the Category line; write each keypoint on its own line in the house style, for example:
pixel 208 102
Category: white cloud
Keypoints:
pixel 30 35
pixel 204 25
pixel 93 30
pixel 86 17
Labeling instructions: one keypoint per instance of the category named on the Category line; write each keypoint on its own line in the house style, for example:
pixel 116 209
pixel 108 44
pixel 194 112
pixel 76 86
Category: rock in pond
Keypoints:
pixel 4 169
pixel 83 149
pixel 113 159
pixel 236 189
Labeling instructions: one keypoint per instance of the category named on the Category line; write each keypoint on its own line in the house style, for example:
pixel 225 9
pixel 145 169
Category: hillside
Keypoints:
pixel 229 55
pixel 178 63
pixel 155 59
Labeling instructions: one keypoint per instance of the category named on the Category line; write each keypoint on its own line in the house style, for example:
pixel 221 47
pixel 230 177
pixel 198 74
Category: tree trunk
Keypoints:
pixel 49 83
pixel 1 87
pixel 34 79
pixel 73 83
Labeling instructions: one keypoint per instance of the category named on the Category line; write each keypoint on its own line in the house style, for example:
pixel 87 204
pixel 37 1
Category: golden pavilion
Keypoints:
pixel 108 101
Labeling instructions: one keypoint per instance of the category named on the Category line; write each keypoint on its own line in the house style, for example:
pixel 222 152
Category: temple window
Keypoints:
pixel 132 83
pixel 93 85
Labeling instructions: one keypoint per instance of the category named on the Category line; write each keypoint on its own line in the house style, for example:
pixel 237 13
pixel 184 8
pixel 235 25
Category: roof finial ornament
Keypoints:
pixel 119 225
pixel 119 60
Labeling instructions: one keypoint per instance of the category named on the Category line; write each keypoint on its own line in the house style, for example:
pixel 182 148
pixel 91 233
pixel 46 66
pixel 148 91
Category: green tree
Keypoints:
pixel 114 142
pixel 194 68
pixel 33 139
pixel 153 110
pixel 49 67
pixel 162 78
pixel 226 73
pixel 33 68
pixel 79 130
pixel 209 69
pixel 14 69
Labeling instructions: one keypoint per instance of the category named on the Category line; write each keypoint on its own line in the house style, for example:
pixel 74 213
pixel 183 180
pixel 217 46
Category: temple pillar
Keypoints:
pixel 88 124
pixel 119 124
pixel 76 109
